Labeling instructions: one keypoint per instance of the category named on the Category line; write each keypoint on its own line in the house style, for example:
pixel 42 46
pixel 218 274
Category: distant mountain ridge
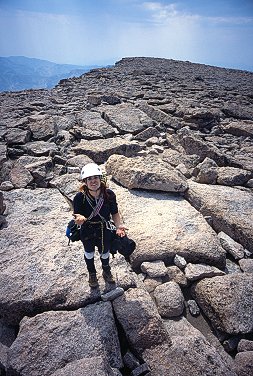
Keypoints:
pixel 21 73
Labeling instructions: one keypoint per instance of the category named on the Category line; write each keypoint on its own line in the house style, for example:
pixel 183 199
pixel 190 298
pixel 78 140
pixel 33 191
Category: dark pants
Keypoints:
pixel 96 236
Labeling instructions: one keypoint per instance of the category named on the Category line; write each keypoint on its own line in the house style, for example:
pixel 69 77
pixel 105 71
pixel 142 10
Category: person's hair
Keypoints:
pixel 83 188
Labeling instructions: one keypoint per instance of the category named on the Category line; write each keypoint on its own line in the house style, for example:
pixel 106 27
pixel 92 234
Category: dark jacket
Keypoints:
pixel 81 205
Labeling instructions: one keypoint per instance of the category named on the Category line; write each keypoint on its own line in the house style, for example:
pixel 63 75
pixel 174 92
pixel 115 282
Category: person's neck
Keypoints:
pixel 96 193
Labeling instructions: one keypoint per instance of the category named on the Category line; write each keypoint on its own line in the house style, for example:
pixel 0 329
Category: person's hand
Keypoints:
pixel 121 231
pixel 79 219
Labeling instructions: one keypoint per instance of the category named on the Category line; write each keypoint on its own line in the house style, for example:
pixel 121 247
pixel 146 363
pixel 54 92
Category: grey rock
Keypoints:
pixel 40 148
pixel 154 269
pixel 232 267
pixel 232 247
pixel 159 116
pixel 140 370
pixel 79 161
pixel 244 363
pixel 93 121
pixel 193 272
pixel 20 176
pixel 176 275
pixel 70 336
pixel 169 299
pixel 224 204
pixel 67 184
pixel 3 155
pixel 94 366
pixel 146 134
pixel 232 176
pixel 249 183
pixel 152 283
pixel 186 232
pixel 73 170
pixel 245 345
pixel 113 294
pixel 240 128
pixel 152 141
pixel 2 205
pixel 190 353
pixel 180 261
pixel 17 136
pixel 246 265
pixel 3 358
pixel 206 172
pixel 203 117
pixel 100 150
pixel 126 118
pixel 43 129
pixel 227 301
pixel 175 158
pixel 193 144
pixel 193 307
pixel 138 315
pixel 145 173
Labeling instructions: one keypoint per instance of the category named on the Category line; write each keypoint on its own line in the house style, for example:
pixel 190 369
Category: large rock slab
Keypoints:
pixel 43 129
pixel 233 176
pixel 164 225
pixel 227 301
pixel 138 315
pixel 38 270
pixel 126 118
pixel 190 354
pixel 40 148
pixel 100 150
pixel 239 128
pixel 17 136
pixel 50 340
pixel 146 173
pixel 231 210
pixel 67 184
pixel 95 366
pixel 159 116
pixel 193 144
pixel 244 363
pixel 92 126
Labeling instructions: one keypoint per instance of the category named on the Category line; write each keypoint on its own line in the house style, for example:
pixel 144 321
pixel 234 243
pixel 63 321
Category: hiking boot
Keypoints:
pixel 93 281
pixel 107 275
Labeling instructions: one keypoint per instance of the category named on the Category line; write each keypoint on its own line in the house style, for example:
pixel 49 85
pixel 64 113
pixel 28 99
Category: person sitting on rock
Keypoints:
pixel 94 205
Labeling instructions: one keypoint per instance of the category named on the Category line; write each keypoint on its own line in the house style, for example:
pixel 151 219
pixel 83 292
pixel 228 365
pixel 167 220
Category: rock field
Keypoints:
pixel 176 141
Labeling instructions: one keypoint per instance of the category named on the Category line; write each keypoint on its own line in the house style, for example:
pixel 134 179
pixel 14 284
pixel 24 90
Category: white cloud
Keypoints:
pixel 164 13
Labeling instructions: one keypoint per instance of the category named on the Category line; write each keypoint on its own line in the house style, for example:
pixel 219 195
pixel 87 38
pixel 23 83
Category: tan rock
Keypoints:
pixel 231 210
pixel 146 173
pixel 227 301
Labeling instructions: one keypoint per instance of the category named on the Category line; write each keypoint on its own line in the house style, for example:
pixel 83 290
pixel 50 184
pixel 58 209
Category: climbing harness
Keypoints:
pixel 95 211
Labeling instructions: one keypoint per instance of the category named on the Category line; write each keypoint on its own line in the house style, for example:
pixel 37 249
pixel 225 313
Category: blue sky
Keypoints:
pixel 85 32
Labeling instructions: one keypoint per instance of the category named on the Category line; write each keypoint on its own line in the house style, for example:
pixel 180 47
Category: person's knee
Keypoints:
pixel 105 255
pixel 89 255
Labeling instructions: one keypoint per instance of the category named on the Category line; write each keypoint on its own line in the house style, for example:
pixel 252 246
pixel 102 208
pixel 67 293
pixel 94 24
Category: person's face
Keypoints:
pixel 93 182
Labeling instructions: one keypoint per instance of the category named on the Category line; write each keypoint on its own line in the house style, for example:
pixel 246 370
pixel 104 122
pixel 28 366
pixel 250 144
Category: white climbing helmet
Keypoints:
pixel 91 169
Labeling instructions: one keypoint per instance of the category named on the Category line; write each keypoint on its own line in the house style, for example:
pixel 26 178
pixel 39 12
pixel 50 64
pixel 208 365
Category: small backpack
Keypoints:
pixel 73 231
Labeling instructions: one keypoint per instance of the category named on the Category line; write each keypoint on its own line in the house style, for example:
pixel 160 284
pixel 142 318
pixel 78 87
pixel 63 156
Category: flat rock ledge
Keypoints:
pixel 165 225
pixel 145 173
